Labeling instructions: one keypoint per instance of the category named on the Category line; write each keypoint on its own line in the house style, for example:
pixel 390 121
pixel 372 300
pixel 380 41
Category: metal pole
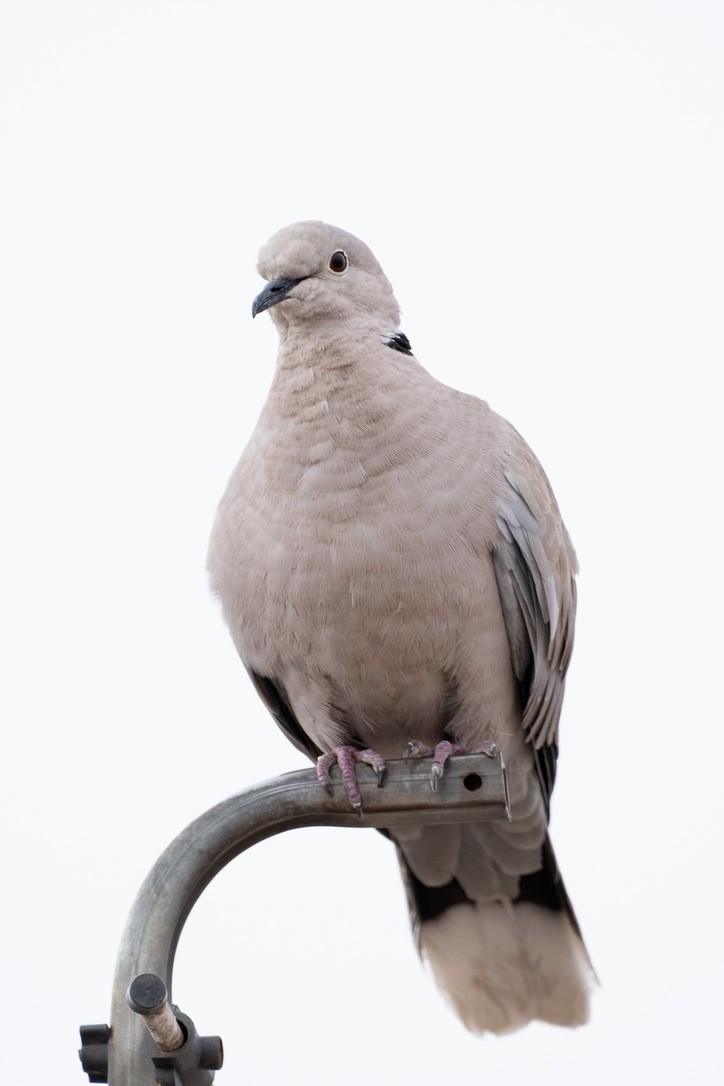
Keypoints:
pixel 473 788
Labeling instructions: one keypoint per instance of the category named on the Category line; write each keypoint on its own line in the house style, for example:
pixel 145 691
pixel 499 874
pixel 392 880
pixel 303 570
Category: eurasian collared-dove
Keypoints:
pixel 393 568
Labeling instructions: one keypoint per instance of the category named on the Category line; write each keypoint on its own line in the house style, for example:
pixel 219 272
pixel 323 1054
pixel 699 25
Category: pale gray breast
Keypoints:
pixel 377 550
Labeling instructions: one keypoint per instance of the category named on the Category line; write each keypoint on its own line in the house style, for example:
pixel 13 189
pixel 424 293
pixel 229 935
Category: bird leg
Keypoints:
pixel 443 750
pixel 346 758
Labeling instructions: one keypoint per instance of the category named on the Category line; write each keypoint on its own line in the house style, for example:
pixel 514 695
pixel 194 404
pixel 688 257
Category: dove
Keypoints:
pixel 394 571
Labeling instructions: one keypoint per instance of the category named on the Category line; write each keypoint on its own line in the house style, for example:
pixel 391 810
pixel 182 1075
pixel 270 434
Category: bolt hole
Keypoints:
pixel 472 782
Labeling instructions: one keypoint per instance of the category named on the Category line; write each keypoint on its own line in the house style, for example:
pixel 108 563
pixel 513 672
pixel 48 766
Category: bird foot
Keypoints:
pixel 442 751
pixel 346 758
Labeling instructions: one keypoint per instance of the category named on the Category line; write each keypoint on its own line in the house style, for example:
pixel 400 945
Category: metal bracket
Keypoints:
pixel 473 788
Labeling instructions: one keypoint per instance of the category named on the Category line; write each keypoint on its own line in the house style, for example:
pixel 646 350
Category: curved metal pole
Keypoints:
pixel 473 788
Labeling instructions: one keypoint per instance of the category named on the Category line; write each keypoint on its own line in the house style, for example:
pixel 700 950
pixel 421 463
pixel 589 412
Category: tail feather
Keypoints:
pixel 505 963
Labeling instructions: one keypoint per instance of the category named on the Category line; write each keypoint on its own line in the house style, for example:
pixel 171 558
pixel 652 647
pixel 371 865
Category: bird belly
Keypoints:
pixel 374 639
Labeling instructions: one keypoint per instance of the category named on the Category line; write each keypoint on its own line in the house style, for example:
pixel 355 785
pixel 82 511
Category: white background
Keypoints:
pixel 543 183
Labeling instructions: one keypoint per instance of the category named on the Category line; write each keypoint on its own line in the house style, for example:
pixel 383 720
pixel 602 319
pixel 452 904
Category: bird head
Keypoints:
pixel 317 272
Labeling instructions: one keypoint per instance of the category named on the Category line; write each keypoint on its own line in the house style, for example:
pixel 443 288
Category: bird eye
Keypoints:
pixel 338 262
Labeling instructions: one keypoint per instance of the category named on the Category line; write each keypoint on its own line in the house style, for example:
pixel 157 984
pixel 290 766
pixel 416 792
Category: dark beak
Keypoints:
pixel 275 291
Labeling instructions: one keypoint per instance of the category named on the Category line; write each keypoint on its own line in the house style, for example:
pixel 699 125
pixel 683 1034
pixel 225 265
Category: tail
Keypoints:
pixel 504 963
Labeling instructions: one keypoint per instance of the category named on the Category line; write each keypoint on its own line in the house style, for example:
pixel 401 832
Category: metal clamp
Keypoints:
pixel 181 1056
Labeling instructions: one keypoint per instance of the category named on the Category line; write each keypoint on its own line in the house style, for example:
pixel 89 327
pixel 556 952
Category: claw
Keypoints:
pixel 435 776
pixel 443 751
pixel 416 749
pixel 346 758
pixel 324 764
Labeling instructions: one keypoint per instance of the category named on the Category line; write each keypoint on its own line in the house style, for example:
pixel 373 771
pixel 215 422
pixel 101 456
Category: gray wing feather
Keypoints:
pixel 535 567
pixel 274 696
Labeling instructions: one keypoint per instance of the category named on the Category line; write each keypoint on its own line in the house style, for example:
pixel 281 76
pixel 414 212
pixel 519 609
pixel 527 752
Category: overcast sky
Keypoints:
pixel 543 184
